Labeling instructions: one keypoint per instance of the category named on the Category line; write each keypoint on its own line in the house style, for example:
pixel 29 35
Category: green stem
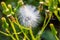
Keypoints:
pixel 4 33
pixel 31 33
pixel 24 38
pixel 22 30
pixel 43 28
pixel 45 20
pixel 17 33
pixel 56 14
pixel 56 37
pixel 20 27
pixel 8 35
pixel 12 25
pixel 12 37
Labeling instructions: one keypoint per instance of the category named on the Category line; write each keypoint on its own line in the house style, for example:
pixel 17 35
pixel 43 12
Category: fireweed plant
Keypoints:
pixel 26 17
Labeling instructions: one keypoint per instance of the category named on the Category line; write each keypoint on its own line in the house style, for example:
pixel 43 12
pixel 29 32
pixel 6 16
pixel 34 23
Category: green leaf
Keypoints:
pixel 47 35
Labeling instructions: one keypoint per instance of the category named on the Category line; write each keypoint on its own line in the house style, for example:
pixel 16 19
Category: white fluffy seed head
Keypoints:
pixel 28 16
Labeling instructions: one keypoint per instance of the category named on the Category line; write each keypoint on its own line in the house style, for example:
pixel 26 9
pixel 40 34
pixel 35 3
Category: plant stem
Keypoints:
pixel 20 27
pixel 4 33
pixel 31 33
pixel 12 37
pixel 43 28
pixel 17 33
pixel 12 25
pixel 56 37
pixel 56 14
pixel 24 38
pixel 10 34
pixel 22 30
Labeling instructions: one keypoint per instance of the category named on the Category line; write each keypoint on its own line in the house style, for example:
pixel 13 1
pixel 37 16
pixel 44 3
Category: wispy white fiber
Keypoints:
pixel 28 16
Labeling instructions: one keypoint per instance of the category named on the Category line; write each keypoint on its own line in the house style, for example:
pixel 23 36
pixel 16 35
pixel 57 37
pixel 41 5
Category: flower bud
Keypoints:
pixel 4 5
pixel 41 6
pixel 47 12
pixel 5 24
pixel 10 9
pixel 20 3
pixel 5 9
pixel 53 29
